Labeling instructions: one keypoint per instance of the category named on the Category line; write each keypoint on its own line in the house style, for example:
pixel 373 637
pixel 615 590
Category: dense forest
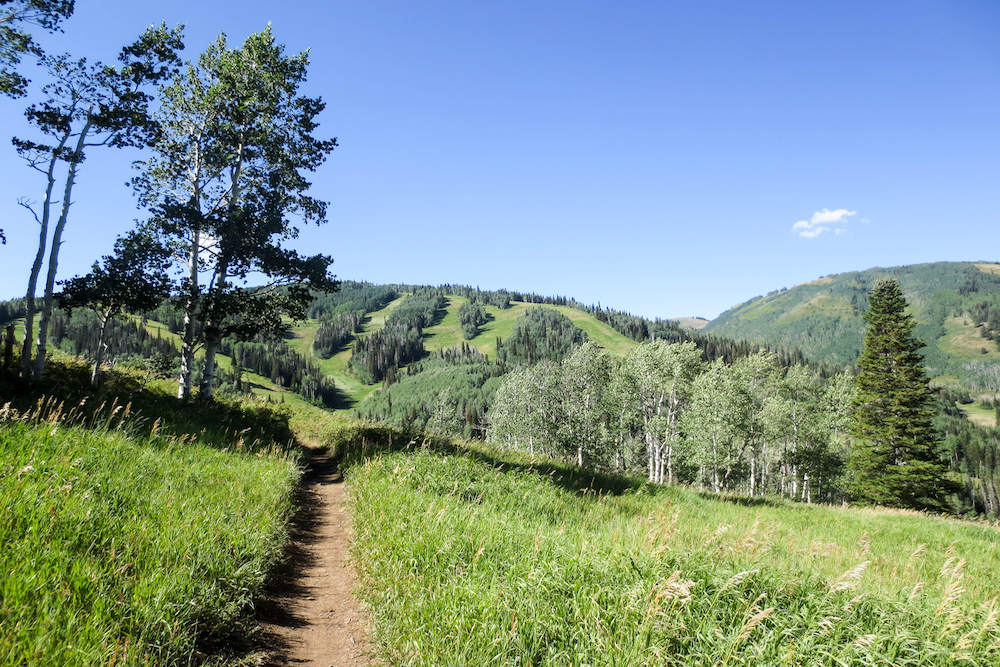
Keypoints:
pixel 752 426
pixel 449 391
pixel 540 334
pixel 281 365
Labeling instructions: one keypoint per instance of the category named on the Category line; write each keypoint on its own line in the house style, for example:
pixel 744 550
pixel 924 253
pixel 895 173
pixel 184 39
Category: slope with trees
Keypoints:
pixel 952 304
pixel 752 426
pixel 379 355
pixel 134 279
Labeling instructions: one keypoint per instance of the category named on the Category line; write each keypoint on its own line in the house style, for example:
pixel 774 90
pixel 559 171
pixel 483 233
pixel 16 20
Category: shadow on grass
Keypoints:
pixel 351 443
pixel 743 501
pixel 126 400
pixel 341 401
pixel 439 314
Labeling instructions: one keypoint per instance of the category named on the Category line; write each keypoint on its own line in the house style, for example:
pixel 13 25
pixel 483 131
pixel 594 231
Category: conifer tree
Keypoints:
pixel 894 459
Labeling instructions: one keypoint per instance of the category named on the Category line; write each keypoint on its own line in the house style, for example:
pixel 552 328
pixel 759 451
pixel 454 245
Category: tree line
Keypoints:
pixel 283 366
pixel 471 316
pixel 753 425
pixel 352 296
pixel 448 391
pixel 540 334
pixel 335 331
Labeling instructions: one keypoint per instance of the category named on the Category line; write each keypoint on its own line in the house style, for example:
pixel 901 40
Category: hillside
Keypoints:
pixel 444 333
pixel 956 305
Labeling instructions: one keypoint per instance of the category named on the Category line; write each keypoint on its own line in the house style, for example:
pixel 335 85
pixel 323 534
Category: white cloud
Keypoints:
pixel 823 221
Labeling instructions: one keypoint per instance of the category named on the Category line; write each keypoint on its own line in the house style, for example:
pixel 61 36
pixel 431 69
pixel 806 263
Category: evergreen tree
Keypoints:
pixel 894 460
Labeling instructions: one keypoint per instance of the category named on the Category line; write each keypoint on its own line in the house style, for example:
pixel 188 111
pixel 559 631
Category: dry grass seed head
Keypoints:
pixel 672 589
pixel 753 622
pixel 853 601
pixel 828 623
pixel 737 579
pixel 916 557
pixel 952 593
pixel 719 532
pixel 849 579
pixel 865 544
pixel 991 618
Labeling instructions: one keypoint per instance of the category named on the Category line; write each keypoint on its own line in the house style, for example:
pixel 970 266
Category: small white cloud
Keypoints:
pixel 822 221
pixel 812 233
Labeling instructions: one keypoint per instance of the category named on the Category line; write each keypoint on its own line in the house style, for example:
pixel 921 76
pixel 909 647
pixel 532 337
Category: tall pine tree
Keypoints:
pixel 894 459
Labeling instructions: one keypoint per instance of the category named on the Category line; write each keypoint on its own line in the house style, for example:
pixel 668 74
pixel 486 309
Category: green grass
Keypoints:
pixel 979 414
pixel 448 333
pixel 471 557
pixel 130 540
pixel 962 339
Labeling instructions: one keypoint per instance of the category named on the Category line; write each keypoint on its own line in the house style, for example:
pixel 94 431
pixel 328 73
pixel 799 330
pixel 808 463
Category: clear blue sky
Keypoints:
pixel 655 157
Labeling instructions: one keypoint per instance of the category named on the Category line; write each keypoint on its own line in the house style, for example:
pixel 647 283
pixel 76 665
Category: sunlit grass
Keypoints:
pixel 134 535
pixel 962 337
pixel 469 556
pixel 447 333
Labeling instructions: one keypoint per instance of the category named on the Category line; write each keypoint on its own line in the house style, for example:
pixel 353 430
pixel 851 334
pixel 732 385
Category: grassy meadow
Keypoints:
pixel 448 332
pixel 136 533
pixel 141 534
pixel 473 557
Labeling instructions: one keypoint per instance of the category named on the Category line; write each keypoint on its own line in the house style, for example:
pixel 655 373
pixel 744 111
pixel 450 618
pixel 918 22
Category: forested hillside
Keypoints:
pixel 956 305
pixel 434 358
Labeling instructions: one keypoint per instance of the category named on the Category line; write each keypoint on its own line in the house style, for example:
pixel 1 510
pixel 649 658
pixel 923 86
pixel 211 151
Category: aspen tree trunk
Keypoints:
pixel 29 299
pixel 50 282
pixel 36 266
pixel 188 342
pixel 99 354
pixel 715 465
pixel 212 342
pixel 650 456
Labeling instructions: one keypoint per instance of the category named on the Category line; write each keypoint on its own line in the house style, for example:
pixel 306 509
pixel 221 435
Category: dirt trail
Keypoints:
pixel 311 616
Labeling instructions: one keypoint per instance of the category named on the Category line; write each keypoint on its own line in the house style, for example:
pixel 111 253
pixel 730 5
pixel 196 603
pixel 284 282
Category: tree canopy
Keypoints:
pixel 894 460
pixel 222 185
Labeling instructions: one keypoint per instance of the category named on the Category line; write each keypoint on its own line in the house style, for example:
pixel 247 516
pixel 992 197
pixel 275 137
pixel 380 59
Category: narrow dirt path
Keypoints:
pixel 310 616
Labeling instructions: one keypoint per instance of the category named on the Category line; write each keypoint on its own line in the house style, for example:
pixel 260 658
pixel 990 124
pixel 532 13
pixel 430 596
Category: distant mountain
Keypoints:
pixel 956 305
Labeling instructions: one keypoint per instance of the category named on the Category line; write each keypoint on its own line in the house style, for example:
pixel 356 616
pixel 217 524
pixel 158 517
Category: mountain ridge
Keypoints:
pixel 956 306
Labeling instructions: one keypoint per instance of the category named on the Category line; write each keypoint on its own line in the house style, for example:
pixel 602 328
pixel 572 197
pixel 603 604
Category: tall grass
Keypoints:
pixel 128 542
pixel 478 558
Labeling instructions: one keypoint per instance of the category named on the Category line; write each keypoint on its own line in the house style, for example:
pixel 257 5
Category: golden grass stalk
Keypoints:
pixel 849 580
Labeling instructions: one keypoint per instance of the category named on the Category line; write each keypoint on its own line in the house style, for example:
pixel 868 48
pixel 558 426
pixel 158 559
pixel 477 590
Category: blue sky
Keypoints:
pixel 662 158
